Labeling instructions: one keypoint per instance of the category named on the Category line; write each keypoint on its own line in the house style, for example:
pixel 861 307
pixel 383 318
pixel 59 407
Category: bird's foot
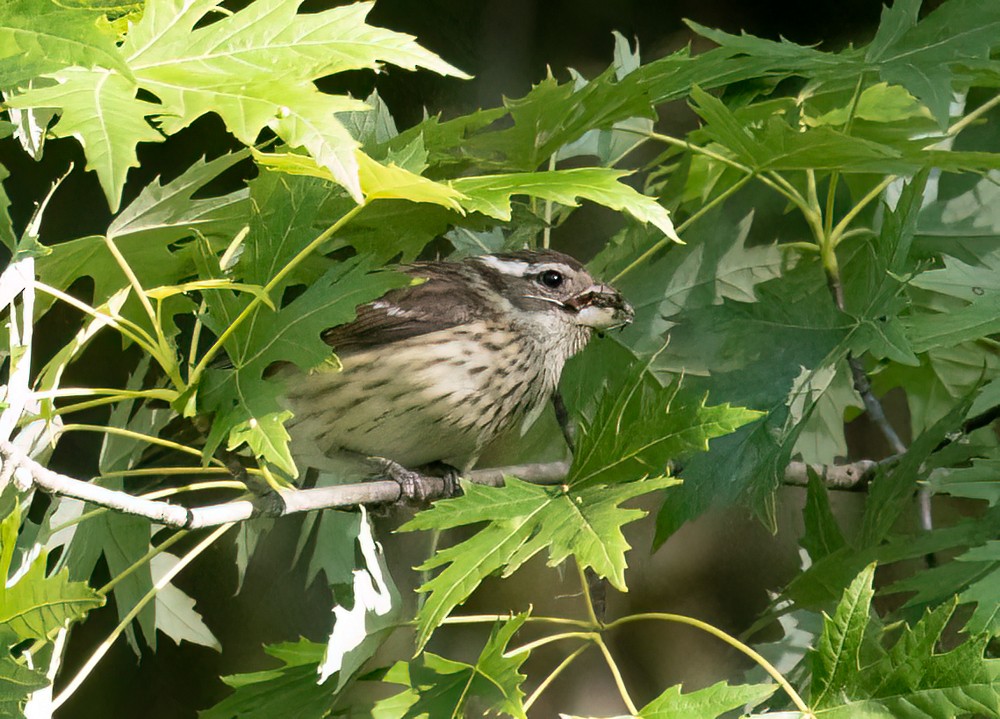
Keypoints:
pixel 411 485
pixel 449 475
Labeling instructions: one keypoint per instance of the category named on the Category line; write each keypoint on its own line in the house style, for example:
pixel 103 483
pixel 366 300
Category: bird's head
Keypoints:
pixel 547 281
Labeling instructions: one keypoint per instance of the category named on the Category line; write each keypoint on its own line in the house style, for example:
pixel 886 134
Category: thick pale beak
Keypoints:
pixel 601 307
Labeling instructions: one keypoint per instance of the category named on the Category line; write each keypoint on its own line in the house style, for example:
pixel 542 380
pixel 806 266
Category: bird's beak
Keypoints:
pixel 601 307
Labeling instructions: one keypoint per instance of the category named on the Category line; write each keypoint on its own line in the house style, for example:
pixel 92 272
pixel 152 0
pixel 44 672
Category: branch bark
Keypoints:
pixel 28 474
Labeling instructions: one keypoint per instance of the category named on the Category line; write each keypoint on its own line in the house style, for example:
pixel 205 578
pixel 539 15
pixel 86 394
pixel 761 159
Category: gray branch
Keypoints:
pixel 28 473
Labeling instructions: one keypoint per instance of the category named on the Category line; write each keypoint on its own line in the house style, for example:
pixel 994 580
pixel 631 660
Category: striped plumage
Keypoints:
pixel 436 371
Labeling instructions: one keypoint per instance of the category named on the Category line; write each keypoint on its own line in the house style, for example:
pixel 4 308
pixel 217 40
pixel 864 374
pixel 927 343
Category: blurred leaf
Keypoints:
pixel 981 480
pixel 891 490
pixel 359 631
pixel 822 535
pixel 752 355
pixel 715 265
pixel 877 103
pixel 707 703
pixel 985 588
pixel 779 146
pixel 175 613
pixel 333 550
pixel 290 690
pixel 921 56
pixel 439 687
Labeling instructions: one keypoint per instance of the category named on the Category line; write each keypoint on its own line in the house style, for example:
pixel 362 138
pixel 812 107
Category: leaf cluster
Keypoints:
pixel 838 213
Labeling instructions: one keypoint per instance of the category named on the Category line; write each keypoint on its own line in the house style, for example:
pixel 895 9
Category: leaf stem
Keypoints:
pixel 704 210
pixel 964 122
pixel 553 675
pixel 152 552
pixel 168 358
pixel 128 328
pixel 492 618
pixel 837 234
pixel 102 649
pixel 137 436
pixel 588 600
pixel 616 673
pixel 531 646
pixel 728 639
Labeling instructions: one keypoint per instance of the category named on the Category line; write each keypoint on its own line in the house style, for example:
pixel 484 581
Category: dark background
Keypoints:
pixel 718 569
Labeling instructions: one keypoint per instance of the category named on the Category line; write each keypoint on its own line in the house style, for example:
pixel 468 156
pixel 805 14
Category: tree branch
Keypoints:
pixel 28 473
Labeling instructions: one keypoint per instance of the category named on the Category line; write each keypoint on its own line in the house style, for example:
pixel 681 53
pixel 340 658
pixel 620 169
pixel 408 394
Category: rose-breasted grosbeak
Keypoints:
pixel 434 372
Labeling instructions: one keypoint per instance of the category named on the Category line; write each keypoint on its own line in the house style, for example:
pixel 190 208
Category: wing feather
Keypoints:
pixel 440 302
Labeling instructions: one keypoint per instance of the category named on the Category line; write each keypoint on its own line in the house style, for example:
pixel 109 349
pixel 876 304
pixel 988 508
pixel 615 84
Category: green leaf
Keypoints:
pixel 175 613
pixel 491 194
pixel 267 437
pixel 855 675
pixel 41 36
pixel 164 213
pixel 979 319
pixel 100 109
pixel 922 56
pixel 984 590
pixel 822 534
pixel 877 103
pixel 6 228
pixel 290 690
pixel 255 68
pixel 716 264
pixel 245 402
pixel 377 181
pixel 359 631
pixel 752 355
pixel 439 687
pixel 17 681
pixel 837 657
pixel 892 490
pixel 638 426
pixel 522 520
pixel 32 604
pixel 145 231
pixel 780 146
pixel 981 480
pixel 708 703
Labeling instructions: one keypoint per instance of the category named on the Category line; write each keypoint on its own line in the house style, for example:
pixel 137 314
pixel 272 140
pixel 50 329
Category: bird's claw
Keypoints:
pixel 411 486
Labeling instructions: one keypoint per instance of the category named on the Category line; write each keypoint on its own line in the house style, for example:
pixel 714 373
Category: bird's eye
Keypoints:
pixel 551 278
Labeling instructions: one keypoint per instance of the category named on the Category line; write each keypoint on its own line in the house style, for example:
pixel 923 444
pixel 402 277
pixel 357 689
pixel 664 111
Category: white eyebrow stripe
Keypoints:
pixel 545 266
pixel 515 268
pixel 519 268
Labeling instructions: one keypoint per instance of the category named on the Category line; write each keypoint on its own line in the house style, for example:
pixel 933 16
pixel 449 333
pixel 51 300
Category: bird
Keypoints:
pixel 432 373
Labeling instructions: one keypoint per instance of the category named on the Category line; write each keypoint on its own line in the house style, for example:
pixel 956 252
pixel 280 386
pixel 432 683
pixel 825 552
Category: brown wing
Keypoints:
pixel 442 301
